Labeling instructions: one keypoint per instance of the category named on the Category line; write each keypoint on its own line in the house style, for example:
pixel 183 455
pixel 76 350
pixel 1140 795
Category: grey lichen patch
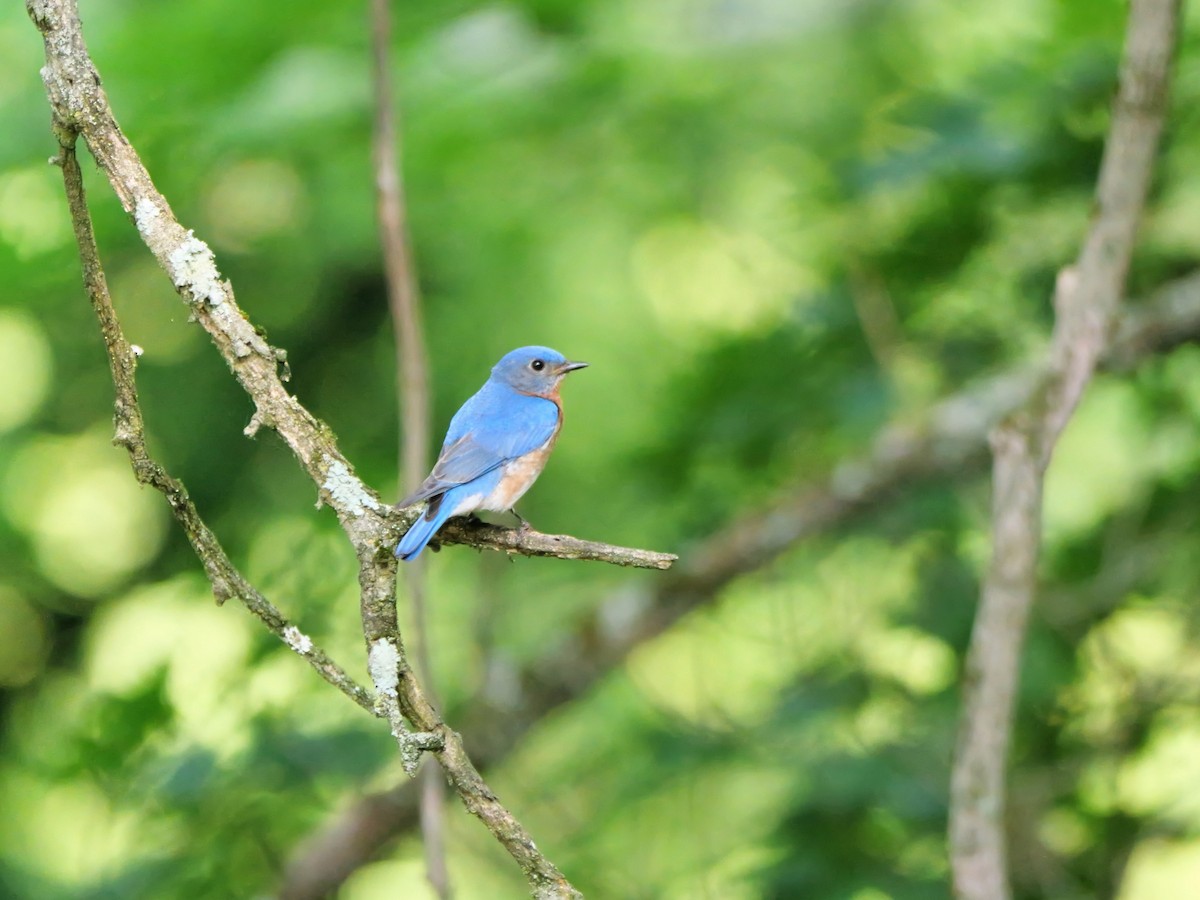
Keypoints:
pixel 412 744
pixel 345 490
pixel 383 662
pixel 145 215
pixel 410 750
pixel 193 266
pixel 297 639
pixel 231 322
pixel 42 15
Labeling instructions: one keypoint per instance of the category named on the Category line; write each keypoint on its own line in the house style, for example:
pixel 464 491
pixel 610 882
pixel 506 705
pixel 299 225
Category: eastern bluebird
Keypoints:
pixel 497 445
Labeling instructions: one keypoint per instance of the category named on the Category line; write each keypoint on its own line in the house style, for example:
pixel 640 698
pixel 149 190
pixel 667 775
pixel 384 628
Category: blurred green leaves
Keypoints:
pixel 771 227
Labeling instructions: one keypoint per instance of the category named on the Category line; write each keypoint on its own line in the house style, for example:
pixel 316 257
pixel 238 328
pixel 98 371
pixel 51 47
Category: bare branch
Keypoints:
pixel 350 840
pixel 1086 301
pixel 528 542
pixel 948 441
pixel 403 295
pixel 226 580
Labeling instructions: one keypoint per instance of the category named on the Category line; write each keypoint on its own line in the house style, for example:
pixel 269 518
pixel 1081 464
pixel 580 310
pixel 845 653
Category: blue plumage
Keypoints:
pixel 496 446
pixel 435 516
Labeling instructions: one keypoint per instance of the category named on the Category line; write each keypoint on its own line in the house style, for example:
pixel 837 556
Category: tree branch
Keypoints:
pixel 1086 300
pixel 947 441
pixel 73 85
pixel 130 433
pixel 528 542
pixel 80 106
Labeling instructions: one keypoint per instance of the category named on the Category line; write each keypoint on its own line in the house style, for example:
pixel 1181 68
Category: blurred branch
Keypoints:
pixel 947 441
pixel 877 316
pixel 403 296
pixel 412 394
pixel 1086 301
pixel 81 107
pixel 224 577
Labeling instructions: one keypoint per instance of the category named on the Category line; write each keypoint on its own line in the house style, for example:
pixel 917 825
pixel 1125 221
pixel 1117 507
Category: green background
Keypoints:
pixel 771 227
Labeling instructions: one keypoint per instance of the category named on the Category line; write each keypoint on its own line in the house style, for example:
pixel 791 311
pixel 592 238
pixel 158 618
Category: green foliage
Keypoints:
pixel 771 227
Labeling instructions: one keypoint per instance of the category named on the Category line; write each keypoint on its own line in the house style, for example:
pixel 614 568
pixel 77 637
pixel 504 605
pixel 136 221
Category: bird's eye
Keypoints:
pixel 537 365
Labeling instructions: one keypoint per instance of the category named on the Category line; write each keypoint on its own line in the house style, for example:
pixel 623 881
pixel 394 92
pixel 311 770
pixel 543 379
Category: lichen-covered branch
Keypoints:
pixel 81 108
pixel 1086 300
pixel 947 441
pixel 224 577
pixel 80 105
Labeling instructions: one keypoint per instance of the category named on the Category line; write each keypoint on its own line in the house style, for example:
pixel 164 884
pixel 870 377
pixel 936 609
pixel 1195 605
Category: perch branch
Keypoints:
pixel 947 441
pixel 527 542
pixel 1086 300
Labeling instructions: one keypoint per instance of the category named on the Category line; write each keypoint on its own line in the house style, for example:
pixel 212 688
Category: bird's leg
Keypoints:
pixel 525 526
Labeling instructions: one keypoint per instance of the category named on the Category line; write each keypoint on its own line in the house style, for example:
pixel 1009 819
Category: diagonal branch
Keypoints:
pixel 75 93
pixel 949 441
pixel 80 106
pixel 226 580
pixel 1086 300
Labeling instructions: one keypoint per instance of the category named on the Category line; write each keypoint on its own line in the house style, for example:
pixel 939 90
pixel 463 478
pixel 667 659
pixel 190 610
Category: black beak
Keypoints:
pixel 571 367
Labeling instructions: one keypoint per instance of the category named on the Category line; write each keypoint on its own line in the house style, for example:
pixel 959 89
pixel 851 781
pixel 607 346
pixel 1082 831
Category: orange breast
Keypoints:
pixel 519 476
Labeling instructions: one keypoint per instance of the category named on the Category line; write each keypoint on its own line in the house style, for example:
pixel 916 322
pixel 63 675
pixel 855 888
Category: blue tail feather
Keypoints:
pixel 422 532
pixel 460 499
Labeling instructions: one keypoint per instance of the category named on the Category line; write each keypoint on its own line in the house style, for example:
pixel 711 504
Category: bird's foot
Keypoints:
pixel 524 526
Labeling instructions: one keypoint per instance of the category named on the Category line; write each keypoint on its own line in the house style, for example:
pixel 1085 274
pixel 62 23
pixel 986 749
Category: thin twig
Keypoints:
pixel 528 542
pixel 1086 300
pixel 412 395
pixel 80 105
pixel 948 441
pixel 224 577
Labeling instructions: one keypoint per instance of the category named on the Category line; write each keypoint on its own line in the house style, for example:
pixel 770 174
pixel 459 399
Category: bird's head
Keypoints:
pixel 534 370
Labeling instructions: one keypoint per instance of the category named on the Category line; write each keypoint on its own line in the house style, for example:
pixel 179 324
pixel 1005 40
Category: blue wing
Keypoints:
pixel 494 426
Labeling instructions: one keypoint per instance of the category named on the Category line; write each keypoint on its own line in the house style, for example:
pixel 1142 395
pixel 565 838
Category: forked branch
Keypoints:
pixel 1086 300
pixel 81 108
pixel 130 433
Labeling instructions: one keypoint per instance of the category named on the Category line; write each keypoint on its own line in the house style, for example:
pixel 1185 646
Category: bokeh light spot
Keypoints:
pixel 176 624
pixel 23 640
pixel 33 216
pixel 90 522
pixel 25 368
pixel 1160 868
pixel 254 199
pixel 704 278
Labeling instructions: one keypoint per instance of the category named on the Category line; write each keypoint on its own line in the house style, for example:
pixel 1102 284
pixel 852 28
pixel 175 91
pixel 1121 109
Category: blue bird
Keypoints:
pixel 497 444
